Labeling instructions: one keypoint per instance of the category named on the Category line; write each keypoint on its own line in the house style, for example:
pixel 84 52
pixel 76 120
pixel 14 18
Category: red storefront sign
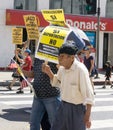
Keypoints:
pixel 87 23
pixel 15 17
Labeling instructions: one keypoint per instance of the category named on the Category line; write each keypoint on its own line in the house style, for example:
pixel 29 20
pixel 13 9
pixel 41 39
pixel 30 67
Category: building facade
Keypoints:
pixel 75 14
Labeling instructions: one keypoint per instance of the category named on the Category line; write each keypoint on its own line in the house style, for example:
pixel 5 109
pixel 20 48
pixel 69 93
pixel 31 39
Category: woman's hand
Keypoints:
pixel 46 69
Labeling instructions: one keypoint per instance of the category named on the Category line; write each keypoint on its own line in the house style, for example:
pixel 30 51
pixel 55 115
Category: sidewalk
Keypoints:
pixel 5 78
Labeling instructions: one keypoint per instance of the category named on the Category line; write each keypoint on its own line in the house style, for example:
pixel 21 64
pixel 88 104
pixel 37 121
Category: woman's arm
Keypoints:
pixel 46 69
pixel 92 65
pixel 29 74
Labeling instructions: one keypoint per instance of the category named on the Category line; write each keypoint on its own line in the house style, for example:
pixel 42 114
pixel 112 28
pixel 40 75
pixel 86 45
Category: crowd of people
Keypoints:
pixel 23 60
pixel 64 95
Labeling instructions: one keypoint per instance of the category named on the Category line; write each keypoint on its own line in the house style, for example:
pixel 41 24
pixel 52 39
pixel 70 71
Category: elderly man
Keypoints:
pixel 76 91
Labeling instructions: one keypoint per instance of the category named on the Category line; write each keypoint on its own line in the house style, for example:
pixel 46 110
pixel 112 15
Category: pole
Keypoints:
pixel 98 34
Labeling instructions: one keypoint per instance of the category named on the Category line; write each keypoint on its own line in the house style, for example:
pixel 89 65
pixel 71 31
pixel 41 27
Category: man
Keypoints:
pixel 76 91
pixel 46 98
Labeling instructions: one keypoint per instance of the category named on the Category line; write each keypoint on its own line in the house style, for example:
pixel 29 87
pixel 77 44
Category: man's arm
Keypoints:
pixel 87 119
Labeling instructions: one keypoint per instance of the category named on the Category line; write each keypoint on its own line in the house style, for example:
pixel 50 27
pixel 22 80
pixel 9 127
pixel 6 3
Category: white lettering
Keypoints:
pixel 103 26
pixel 69 21
pixel 82 25
pixel 76 24
pixel 86 25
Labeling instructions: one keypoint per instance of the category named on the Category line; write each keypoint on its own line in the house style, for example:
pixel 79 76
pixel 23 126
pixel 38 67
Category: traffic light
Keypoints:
pixel 91 6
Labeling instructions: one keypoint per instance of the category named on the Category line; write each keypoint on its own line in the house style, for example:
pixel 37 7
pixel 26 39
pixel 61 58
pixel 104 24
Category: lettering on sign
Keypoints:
pixel 86 25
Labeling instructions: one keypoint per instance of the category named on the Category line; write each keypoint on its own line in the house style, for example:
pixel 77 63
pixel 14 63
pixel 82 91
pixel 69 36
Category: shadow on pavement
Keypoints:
pixel 16 114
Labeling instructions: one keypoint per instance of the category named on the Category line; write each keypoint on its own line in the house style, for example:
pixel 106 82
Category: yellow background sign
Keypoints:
pixel 31 26
pixel 55 17
pixel 17 35
pixel 51 39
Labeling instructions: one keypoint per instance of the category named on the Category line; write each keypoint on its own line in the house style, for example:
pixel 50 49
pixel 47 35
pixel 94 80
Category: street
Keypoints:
pixel 102 112
pixel 14 109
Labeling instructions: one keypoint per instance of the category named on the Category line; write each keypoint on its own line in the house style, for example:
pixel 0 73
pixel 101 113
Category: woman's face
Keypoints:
pixel 16 51
pixel 87 52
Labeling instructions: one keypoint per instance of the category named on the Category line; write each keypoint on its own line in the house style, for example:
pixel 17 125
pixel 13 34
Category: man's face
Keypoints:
pixel 65 60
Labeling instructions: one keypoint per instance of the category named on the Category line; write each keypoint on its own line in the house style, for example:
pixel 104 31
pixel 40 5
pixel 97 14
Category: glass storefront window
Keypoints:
pixel 19 4
pixel 25 4
pixel 66 5
pixel 69 6
pixel 109 8
pixel 55 4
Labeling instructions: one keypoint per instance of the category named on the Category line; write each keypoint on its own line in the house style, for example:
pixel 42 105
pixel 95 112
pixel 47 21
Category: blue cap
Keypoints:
pixel 28 51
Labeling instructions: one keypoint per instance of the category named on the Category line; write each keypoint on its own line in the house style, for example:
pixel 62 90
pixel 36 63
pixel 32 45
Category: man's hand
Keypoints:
pixel 87 120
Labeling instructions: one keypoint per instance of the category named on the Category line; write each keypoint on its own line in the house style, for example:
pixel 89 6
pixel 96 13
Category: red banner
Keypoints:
pixel 87 23
pixel 15 17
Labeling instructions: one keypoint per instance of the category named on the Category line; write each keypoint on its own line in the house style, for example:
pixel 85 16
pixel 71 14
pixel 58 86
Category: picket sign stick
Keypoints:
pixel 46 61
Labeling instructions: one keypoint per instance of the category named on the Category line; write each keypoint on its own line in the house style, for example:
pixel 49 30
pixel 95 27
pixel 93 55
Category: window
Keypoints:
pixel 55 4
pixel 92 38
pixel 25 4
pixel 69 6
pixel 66 5
pixel 109 8
pixel 19 4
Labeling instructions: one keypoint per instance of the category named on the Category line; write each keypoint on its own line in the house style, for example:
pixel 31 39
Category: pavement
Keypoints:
pixel 6 78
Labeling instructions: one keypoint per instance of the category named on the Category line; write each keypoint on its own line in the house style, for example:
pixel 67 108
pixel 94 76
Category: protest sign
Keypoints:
pixel 55 17
pixel 51 39
pixel 31 26
pixel 55 35
pixel 17 35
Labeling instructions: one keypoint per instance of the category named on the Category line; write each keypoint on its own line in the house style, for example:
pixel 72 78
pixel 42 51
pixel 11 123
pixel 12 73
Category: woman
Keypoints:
pixel 89 63
pixel 19 59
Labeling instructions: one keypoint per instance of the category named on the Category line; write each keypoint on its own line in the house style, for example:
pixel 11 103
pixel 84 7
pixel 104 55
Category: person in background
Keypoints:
pixel 25 46
pixel 108 70
pixel 89 63
pixel 80 57
pixel 76 91
pixel 18 58
pixel 45 124
pixel 27 66
pixel 46 98
pixel 95 72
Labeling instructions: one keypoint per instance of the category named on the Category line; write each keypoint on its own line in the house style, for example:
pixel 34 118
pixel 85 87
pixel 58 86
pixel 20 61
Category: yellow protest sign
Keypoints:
pixel 51 39
pixel 17 35
pixel 31 26
pixel 55 17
